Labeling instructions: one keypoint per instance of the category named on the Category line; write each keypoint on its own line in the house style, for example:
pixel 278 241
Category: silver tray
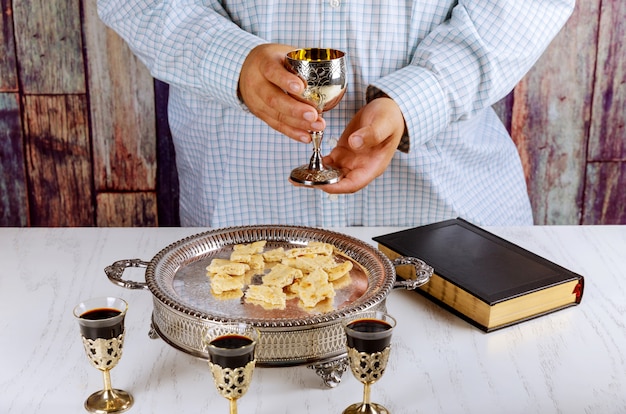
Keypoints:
pixel 184 306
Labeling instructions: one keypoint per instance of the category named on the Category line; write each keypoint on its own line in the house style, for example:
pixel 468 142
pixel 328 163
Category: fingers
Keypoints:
pixel 367 146
pixel 263 84
pixel 378 121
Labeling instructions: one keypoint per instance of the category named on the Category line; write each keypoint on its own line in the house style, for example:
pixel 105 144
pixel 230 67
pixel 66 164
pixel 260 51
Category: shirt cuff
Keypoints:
pixel 222 64
pixel 421 100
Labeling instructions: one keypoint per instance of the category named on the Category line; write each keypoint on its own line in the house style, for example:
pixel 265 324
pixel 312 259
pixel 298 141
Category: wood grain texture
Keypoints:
pixel 8 62
pixel 550 119
pixel 49 46
pixel 127 209
pixel 605 201
pixel 122 111
pixel 13 189
pixel 607 140
pixel 58 160
pixel 567 117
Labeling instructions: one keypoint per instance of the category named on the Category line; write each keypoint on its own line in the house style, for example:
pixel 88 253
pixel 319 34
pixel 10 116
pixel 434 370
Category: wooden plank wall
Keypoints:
pixel 85 144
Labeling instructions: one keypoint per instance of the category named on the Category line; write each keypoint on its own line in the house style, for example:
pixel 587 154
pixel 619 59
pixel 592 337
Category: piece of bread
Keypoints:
pixel 251 248
pixel 222 282
pixel 274 255
pixel 313 288
pixel 313 248
pixel 281 275
pixel 228 267
pixel 339 270
pixel 270 297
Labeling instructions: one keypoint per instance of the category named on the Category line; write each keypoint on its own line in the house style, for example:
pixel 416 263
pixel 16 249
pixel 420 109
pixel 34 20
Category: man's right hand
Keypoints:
pixel 263 84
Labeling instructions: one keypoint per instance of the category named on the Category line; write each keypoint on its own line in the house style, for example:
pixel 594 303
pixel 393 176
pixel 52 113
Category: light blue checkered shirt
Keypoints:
pixel 443 61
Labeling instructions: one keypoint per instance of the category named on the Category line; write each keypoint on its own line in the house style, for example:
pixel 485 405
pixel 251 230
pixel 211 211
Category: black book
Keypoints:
pixel 485 279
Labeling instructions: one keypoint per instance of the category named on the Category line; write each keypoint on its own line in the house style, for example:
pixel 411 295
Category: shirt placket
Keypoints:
pixel 333 210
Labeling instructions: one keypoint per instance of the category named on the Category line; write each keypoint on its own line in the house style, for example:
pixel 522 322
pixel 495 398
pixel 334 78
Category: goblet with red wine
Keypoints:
pixel 101 322
pixel 231 349
pixel 368 340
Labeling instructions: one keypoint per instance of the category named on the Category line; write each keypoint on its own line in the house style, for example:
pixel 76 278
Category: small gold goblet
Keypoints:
pixel 101 322
pixel 368 337
pixel 324 74
pixel 232 359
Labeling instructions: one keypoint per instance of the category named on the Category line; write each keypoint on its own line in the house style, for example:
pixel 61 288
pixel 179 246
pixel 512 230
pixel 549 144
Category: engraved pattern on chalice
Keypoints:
pixel 232 383
pixel 324 74
pixel 104 354
pixel 366 367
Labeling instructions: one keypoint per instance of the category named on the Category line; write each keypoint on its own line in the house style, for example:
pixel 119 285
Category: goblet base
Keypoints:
pixel 305 176
pixel 109 401
pixel 362 408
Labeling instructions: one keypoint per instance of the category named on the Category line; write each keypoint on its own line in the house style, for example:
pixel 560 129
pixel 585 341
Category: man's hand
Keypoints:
pixel 263 84
pixel 366 146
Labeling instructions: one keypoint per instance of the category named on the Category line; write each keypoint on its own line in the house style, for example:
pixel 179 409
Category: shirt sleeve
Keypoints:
pixel 179 41
pixel 470 61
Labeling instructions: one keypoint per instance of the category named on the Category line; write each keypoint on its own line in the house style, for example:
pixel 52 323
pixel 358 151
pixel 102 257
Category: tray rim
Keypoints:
pixel 386 271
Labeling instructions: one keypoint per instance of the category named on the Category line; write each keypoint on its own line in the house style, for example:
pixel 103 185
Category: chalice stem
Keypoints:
pixel 316 159
pixel 232 402
pixel 366 393
pixel 106 376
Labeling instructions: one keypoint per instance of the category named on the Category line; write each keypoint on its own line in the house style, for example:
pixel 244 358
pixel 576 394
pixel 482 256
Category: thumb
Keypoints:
pixel 365 137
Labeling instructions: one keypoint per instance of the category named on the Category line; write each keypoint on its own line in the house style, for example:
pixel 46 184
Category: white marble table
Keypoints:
pixel 572 361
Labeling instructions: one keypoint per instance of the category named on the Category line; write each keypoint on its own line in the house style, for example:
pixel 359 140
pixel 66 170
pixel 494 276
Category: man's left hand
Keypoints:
pixel 366 146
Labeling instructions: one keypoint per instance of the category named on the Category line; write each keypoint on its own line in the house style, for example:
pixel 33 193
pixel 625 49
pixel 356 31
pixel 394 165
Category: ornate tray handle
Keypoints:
pixel 421 273
pixel 115 271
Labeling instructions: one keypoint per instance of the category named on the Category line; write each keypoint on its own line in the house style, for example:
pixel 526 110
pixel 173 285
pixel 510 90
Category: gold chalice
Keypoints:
pixel 101 322
pixel 232 359
pixel 368 336
pixel 324 74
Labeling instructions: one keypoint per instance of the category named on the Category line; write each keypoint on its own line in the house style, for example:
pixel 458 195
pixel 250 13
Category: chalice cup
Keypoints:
pixel 324 74
pixel 368 339
pixel 231 349
pixel 101 322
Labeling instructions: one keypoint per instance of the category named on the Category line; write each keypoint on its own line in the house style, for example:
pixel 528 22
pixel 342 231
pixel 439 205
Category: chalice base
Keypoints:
pixel 109 401
pixel 362 408
pixel 304 175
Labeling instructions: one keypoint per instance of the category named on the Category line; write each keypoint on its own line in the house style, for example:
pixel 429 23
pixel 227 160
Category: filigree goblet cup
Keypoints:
pixel 324 74
pixel 368 339
pixel 231 349
pixel 101 322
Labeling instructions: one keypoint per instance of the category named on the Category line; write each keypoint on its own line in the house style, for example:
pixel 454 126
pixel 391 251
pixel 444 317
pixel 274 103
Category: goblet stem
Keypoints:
pixel 233 405
pixel 366 393
pixel 315 163
pixel 106 377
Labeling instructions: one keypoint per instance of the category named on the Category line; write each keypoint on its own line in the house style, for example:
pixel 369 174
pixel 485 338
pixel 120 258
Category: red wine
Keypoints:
pixel 101 323
pixel 368 335
pixel 231 351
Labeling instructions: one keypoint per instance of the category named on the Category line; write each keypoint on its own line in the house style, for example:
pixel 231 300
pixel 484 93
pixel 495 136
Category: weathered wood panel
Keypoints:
pixel 58 160
pixel 122 111
pixel 569 101
pixel 550 120
pixel 49 46
pixel 126 209
pixel 605 201
pixel 607 140
pixel 8 63
pixel 13 199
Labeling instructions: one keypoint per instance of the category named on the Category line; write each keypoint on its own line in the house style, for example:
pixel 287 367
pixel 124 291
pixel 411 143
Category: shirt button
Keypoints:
pixel 332 142
pixel 335 3
pixel 333 197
